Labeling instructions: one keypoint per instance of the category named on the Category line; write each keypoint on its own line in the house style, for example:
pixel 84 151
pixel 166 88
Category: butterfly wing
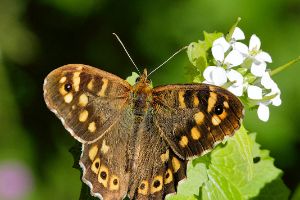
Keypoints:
pixel 87 100
pixel 193 118
pixel 156 169
pixel 105 162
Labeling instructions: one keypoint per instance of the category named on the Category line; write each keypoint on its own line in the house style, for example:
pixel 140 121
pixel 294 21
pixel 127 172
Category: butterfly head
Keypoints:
pixel 142 83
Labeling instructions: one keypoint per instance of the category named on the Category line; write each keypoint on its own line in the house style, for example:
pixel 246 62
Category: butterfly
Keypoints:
pixel 137 140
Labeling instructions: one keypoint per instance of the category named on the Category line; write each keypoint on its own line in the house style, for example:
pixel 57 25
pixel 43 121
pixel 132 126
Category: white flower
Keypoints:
pixel 254 92
pixel 221 46
pixel 217 75
pixel 263 112
pixel 251 78
pixel 237 79
pixel 254 52
pixel 268 83
pixel 237 34
pixel 269 88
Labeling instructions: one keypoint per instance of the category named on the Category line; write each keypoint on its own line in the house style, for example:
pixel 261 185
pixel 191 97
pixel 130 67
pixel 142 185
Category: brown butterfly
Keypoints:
pixel 136 140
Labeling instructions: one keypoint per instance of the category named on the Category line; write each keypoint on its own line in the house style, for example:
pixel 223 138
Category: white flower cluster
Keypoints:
pixel 242 69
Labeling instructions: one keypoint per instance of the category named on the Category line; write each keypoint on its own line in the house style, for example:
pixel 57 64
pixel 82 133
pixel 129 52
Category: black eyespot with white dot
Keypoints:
pixel 219 109
pixel 68 87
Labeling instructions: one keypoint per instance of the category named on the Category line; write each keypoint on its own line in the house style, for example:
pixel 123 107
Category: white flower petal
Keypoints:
pixel 218 52
pixel 219 76
pixel 263 112
pixel 234 58
pixel 222 41
pixel 235 76
pixel 238 34
pixel 254 92
pixel 276 101
pixel 240 47
pixel 266 81
pixel 263 56
pixel 275 89
pixel 236 90
pixel 258 68
pixel 254 43
pixel 207 74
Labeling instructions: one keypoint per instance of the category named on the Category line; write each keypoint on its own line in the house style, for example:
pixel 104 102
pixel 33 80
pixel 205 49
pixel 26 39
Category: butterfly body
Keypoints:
pixel 137 139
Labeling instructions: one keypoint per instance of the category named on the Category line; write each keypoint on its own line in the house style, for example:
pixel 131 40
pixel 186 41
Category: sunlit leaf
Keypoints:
pixel 131 79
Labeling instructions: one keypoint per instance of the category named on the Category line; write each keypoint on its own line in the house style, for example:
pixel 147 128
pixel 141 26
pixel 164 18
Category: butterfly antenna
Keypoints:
pixel 177 52
pixel 126 52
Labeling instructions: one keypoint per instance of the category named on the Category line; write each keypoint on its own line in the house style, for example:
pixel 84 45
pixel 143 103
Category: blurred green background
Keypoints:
pixel 37 36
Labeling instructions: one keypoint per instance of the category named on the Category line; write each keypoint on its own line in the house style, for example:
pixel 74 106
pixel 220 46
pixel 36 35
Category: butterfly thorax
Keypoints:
pixel 142 94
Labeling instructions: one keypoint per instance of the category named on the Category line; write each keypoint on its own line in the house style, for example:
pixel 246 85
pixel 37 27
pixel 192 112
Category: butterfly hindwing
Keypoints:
pixel 86 99
pixel 105 162
pixel 157 170
pixel 193 118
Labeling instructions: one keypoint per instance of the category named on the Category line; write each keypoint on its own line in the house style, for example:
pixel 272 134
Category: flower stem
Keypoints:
pixel 229 35
pixel 283 67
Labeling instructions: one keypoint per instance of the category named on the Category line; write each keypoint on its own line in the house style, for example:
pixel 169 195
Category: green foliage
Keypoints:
pixel 238 169
pixel 75 7
pixel 274 190
pixel 198 54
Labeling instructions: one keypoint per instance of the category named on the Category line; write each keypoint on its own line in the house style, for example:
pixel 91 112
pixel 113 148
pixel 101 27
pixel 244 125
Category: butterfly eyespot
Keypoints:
pixel 156 183
pixel 68 87
pixel 167 175
pixel 103 175
pixel 219 109
pixel 115 181
pixel 142 186
pixel 97 165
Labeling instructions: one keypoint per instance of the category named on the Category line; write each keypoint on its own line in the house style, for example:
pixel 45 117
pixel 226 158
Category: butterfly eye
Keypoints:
pixel 68 87
pixel 137 79
pixel 219 109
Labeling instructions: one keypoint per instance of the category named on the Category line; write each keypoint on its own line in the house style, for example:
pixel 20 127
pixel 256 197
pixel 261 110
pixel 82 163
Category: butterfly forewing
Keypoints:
pixel 194 118
pixel 87 100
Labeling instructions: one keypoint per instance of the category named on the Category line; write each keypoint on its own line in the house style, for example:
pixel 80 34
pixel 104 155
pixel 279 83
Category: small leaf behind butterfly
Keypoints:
pixel 132 79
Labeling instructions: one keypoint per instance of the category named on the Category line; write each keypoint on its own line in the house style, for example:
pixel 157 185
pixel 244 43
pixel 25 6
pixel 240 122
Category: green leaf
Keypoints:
pixel 238 169
pixel 182 197
pixel 196 51
pixel 274 190
pixel 296 193
pixel 199 53
pixel 131 79
pixel 209 38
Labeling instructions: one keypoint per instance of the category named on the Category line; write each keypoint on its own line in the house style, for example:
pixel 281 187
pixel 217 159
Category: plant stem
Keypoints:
pixel 283 67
